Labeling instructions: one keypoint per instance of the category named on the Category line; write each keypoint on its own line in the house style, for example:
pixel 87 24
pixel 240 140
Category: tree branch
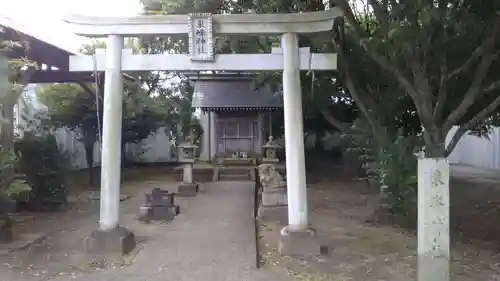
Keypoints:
pixel 349 83
pixel 473 91
pixel 381 14
pixel 492 87
pixel 442 92
pixel 20 84
pixel 360 35
pixel 454 140
pixel 474 121
pixel 344 127
pixel 476 54
pixel 89 91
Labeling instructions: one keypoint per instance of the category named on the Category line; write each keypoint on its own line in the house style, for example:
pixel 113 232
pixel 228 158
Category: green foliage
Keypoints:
pixel 394 169
pixel 390 165
pixel 45 166
pixel 73 107
pixel 70 106
pixel 443 55
pixel 8 161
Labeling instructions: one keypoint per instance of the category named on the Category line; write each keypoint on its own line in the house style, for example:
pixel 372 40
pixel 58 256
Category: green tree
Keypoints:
pixel 20 70
pixel 73 107
pixel 441 54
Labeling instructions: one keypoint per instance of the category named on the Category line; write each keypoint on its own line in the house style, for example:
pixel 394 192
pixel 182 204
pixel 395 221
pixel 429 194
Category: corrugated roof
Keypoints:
pixel 233 93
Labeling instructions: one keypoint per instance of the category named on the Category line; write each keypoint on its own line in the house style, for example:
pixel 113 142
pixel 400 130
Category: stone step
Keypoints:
pixel 229 177
pixel 234 171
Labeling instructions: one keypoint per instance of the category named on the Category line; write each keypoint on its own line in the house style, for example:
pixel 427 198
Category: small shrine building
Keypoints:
pixel 236 114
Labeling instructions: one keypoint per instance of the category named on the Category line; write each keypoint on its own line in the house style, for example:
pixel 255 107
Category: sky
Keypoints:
pixel 44 17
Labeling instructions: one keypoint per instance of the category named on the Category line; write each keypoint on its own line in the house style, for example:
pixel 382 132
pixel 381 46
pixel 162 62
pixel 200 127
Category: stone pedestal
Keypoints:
pixel 303 242
pixel 274 197
pixel 273 205
pixel 109 243
pixel 187 189
pixel 270 160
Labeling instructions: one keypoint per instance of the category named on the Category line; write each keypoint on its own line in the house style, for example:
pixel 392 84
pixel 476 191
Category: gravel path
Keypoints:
pixel 212 240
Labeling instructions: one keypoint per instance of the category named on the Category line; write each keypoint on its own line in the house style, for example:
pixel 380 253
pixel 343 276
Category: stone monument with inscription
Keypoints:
pixel 159 206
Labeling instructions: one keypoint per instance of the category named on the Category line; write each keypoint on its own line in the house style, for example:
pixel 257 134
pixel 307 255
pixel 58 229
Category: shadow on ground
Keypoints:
pixel 339 209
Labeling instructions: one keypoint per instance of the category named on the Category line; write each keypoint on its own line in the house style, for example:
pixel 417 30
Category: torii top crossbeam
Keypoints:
pixel 250 24
pixel 202 29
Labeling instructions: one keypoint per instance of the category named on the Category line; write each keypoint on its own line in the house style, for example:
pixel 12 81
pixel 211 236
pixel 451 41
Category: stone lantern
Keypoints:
pixel 187 156
pixel 270 149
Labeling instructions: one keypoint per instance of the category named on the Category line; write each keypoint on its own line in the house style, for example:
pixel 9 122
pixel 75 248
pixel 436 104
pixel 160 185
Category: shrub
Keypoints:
pixel 9 190
pixel 394 169
pixel 391 166
pixel 45 167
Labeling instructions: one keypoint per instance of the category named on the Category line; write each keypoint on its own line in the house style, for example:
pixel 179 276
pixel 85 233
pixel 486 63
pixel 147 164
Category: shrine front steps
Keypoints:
pixel 199 174
pixel 234 173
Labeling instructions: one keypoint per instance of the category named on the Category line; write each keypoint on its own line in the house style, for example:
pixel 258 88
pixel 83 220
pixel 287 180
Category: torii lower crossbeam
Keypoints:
pixel 233 62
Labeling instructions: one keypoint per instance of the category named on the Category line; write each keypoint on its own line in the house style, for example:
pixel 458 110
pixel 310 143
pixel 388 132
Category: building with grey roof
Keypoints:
pixel 236 113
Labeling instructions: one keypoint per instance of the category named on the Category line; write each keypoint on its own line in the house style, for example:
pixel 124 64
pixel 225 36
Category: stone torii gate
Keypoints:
pixel 201 29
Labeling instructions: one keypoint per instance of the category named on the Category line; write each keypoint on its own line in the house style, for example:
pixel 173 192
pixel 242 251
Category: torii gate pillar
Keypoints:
pixel 296 237
pixel 110 238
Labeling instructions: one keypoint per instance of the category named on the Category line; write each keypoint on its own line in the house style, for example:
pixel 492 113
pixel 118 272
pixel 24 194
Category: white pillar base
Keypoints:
pixel 433 219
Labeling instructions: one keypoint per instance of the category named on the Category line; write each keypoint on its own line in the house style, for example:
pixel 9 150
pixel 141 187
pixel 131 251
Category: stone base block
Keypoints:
pixel 270 160
pixel 273 213
pixel 277 198
pixel 187 189
pixel 275 188
pixel 300 242
pixel 109 243
pixel 159 213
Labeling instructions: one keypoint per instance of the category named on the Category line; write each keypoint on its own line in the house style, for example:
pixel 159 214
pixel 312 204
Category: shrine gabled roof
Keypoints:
pixel 233 93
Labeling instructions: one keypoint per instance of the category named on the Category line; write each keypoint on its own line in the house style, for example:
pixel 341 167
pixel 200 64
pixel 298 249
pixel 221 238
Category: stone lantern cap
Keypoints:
pixel 271 143
pixel 188 145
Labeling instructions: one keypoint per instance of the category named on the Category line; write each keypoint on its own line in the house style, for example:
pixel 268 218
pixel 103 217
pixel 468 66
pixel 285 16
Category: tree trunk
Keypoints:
pixel 89 156
pixel 7 139
pixel 124 161
pixel 434 145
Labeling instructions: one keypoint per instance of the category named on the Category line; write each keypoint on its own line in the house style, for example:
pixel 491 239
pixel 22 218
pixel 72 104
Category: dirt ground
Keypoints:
pixel 359 250
pixel 61 251
pixel 339 207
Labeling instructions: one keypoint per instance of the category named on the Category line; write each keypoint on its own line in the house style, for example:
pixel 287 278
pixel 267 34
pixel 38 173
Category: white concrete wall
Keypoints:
pixel 475 151
pixel 156 148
